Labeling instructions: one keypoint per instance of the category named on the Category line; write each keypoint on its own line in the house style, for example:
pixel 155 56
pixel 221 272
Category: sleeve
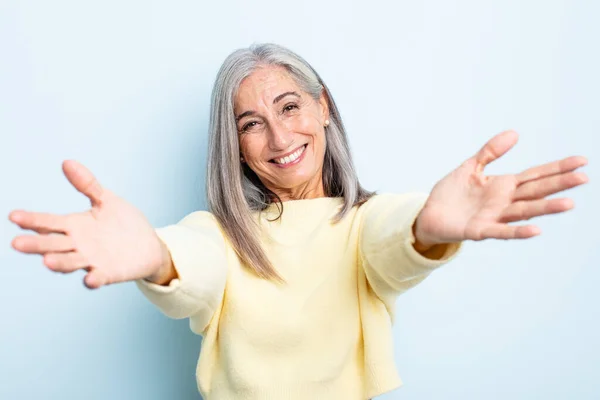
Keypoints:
pixel 390 262
pixel 197 248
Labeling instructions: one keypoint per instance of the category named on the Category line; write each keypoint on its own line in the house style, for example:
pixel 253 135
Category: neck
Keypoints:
pixel 309 190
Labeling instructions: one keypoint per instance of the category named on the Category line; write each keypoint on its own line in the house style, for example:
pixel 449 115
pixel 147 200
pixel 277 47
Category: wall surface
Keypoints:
pixel 124 87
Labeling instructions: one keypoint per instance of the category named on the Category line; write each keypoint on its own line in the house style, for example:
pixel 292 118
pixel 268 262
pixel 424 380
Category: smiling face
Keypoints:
pixel 282 134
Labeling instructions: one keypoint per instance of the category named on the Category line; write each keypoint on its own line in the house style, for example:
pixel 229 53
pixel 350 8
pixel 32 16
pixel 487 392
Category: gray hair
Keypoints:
pixel 233 189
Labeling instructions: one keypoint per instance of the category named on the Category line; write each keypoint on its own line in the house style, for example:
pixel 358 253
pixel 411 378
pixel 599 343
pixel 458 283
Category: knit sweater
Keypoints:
pixel 325 333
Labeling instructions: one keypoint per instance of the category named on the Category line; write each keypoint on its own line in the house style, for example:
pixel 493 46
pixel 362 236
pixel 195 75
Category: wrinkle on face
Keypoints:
pixel 272 130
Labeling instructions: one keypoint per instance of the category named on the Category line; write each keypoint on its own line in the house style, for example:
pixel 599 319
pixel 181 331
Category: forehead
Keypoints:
pixel 263 85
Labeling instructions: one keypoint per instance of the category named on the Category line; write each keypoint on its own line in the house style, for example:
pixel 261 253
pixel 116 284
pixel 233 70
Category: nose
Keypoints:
pixel 280 137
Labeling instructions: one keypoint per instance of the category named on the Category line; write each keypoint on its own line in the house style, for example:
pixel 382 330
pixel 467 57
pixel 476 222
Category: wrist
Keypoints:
pixel 422 242
pixel 165 272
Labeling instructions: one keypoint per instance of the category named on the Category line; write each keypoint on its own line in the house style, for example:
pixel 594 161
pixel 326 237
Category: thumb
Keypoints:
pixel 94 279
pixel 83 180
pixel 495 148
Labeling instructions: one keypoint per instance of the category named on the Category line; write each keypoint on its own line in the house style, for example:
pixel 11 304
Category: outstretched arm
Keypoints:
pixel 405 237
pixel 468 205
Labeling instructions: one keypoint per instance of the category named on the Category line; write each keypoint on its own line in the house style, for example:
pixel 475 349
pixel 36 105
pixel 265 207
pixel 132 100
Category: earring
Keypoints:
pixel 242 159
pixel 326 122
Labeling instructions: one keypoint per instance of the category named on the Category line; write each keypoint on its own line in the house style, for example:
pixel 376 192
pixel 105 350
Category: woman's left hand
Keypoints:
pixel 467 205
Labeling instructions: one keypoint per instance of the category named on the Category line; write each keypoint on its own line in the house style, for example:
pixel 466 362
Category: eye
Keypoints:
pixel 249 125
pixel 290 107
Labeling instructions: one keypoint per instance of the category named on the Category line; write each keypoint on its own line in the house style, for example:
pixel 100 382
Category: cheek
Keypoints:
pixel 310 126
pixel 321 144
pixel 250 147
pixel 307 125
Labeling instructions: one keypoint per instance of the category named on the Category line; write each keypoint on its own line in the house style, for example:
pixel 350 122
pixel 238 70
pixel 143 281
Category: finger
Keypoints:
pixel 524 210
pixel 543 187
pixel 65 262
pixel 553 168
pixel 41 244
pixel 503 231
pixel 39 222
pixel 83 180
pixel 495 148
pixel 94 279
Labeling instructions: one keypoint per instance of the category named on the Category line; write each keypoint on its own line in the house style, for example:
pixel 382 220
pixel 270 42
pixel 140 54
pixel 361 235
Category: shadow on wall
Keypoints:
pixel 168 353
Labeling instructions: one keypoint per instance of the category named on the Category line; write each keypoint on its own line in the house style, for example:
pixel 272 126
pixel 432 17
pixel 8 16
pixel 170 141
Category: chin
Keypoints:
pixel 296 181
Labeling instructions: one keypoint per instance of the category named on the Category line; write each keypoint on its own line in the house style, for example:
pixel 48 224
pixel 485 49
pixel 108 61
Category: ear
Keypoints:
pixel 324 105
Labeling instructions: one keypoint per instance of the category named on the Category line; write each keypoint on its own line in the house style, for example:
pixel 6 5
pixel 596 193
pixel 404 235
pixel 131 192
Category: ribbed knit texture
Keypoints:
pixel 323 334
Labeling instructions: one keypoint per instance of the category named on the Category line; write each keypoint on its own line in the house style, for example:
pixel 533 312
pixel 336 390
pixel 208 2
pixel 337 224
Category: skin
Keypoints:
pixel 466 204
pixel 278 117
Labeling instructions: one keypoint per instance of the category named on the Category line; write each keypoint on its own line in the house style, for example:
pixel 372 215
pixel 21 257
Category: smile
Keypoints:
pixel 290 159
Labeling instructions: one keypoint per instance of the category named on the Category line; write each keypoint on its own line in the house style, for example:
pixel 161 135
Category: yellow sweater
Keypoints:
pixel 325 333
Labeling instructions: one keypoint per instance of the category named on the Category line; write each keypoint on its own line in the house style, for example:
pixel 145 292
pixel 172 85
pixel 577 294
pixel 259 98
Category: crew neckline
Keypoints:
pixel 300 217
pixel 293 209
pixel 298 202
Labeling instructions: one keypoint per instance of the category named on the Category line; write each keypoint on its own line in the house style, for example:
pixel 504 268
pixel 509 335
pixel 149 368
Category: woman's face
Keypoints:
pixel 282 134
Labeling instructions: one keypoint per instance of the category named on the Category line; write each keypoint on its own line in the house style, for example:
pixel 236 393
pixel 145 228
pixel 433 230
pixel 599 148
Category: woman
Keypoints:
pixel 291 278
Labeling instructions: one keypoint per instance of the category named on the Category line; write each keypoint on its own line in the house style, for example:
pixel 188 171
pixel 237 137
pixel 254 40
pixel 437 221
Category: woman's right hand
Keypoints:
pixel 113 241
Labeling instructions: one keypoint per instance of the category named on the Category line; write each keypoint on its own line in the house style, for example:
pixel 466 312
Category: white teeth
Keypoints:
pixel 292 157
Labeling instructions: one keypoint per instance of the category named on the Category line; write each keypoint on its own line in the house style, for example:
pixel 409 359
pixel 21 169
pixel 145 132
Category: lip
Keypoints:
pixel 291 152
pixel 296 161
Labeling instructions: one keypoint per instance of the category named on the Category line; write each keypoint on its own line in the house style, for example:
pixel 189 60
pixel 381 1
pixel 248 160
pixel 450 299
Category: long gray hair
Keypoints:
pixel 233 189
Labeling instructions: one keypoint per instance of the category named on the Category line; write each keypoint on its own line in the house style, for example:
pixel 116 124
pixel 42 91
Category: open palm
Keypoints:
pixel 468 205
pixel 112 240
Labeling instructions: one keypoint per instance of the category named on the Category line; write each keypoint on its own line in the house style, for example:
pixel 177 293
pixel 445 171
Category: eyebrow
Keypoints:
pixel 282 95
pixel 244 114
pixel 275 100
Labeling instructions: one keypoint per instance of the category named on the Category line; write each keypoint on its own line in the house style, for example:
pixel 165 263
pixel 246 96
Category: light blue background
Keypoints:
pixel 124 87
